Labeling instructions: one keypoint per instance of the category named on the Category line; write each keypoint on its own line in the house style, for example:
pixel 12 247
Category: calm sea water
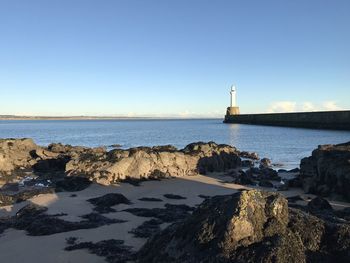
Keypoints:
pixel 283 145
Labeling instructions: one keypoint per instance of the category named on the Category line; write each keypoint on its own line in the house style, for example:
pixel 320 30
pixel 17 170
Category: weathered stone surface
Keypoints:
pixel 327 171
pixel 16 155
pixel 156 162
pixel 251 226
pixel 107 167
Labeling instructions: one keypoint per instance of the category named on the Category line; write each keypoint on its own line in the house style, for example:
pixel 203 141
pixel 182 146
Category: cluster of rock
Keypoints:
pixel 106 167
pixel 251 226
pixel 327 171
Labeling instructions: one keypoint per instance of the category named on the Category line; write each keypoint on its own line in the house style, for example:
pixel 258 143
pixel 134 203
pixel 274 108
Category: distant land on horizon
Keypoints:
pixel 83 117
pixel 86 117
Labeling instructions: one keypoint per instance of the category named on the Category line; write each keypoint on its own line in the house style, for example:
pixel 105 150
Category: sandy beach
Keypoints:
pixel 17 246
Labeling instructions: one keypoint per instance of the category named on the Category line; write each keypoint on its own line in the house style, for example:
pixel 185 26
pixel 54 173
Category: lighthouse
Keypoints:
pixel 233 109
pixel 233 96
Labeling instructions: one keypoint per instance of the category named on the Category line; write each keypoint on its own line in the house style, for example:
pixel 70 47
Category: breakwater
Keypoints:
pixel 337 120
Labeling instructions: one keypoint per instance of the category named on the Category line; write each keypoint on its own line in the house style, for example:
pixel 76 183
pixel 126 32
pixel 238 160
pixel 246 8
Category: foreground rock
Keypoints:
pixel 107 167
pixel 251 226
pixel 327 171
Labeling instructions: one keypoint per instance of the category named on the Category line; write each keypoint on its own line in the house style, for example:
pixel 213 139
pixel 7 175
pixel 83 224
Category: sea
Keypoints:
pixel 283 145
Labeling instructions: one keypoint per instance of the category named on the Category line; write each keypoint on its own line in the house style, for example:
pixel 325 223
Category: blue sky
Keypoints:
pixel 172 58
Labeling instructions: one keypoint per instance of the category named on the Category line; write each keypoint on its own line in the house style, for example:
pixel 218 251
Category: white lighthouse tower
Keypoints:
pixel 233 109
pixel 233 96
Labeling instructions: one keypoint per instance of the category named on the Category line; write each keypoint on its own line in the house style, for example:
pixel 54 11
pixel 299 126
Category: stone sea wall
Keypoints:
pixel 337 120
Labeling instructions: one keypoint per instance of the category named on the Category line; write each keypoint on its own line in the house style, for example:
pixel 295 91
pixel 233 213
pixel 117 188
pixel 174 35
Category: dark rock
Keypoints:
pixel 147 228
pixel 295 170
pixel 36 222
pixel 171 213
pixel 10 198
pixel 318 204
pixel 247 163
pixel 243 179
pixel 249 155
pixel 150 199
pixel 71 240
pixel 114 251
pixel 10 187
pixel 103 203
pixel 269 174
pixel 115 146
pixel 327 171
pixel 72 184
pixel 251 226
pixel 172 196
pixel 265 163
pixel 295 182
pixel 265 183
pixel 204 196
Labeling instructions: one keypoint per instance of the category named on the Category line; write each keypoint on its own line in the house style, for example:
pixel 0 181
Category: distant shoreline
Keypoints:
pixel 53 118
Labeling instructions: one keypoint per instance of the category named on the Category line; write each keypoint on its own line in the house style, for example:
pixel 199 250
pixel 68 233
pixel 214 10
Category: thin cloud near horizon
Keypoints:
pixel 293 106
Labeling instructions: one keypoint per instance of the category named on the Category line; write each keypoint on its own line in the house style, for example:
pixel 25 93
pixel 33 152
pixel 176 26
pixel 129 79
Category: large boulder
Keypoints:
pixel 250 226
pixel 156 162
pixel 16 155
pixel 327 171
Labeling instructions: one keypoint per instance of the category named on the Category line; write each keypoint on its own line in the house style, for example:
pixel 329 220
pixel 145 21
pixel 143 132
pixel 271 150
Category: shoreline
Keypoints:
pixel 77 203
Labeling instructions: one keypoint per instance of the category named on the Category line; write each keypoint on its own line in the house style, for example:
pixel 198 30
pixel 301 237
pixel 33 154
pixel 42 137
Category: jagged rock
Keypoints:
pixel 250 226
pixel 16 155
pixel 156 162
pixel 108 167
pixel 327 171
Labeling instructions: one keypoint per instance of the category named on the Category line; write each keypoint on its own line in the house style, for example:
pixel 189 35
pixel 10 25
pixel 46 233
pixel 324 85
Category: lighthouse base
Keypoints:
pixel 232 111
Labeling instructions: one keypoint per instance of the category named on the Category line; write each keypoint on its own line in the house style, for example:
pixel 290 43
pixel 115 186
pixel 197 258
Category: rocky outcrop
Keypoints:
pixel 157 162
pixel 327 171
pixel 16 155
pixel 106 167
pixel 250 226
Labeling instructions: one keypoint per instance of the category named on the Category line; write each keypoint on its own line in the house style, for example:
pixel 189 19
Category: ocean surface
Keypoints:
pixel 285 146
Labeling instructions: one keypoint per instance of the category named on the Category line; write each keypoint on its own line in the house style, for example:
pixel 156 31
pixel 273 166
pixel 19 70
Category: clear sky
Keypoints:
pixel 172 58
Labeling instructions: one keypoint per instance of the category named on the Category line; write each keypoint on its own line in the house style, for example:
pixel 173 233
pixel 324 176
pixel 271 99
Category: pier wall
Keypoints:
pixel 337 120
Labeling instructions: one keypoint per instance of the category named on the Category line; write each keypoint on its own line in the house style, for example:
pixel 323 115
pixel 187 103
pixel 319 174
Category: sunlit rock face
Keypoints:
pixel 106 167
pixel 155 162
pixel 250 226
